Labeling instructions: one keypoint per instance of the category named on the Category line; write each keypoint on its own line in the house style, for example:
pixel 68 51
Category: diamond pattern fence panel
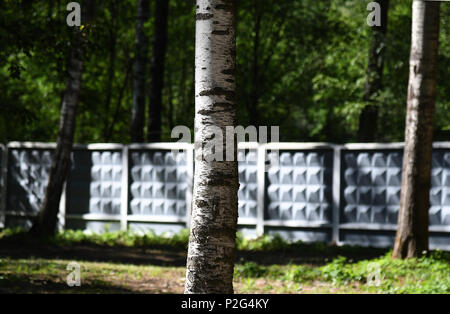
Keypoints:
pixel 299 189
pixel 370 196
pixel 95 182
pixel 248 184
pixel 28 173
pixel 158 183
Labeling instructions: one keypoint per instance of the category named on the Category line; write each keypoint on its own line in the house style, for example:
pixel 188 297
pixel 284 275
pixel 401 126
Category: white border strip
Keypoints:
pixel 298 145
pixel 296 224
pixel 397 145
pixel 167 145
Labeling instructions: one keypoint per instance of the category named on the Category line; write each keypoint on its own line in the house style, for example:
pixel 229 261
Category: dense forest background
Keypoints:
pixel 300 65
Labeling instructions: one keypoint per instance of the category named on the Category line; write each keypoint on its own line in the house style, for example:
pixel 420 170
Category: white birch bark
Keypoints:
pixel 412 233
pixel 210 261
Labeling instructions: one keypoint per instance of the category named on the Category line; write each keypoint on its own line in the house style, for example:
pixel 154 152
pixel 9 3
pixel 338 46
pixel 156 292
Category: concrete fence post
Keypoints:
pixel 124 190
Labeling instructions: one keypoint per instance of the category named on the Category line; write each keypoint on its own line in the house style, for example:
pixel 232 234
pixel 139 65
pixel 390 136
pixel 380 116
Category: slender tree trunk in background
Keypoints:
pixel 369 115
pixel 170 101
pixel 412 233
pixel 119 102
pixel 111 67
pixel 157 71
pixel 211 252
pixel 254 94
pixel 138 111
pixel 45 222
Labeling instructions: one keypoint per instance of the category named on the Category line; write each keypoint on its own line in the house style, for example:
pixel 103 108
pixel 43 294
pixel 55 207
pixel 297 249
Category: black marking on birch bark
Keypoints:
pixel 219 91
pixel 217 107
pixel 209 112
pixel 225 105
pixel 230 71
pixel 201 203
pixel 215 207
pixel 220 32
pixel 210 137
pixel 203 16
pixel 222 180
pixel 202 235
pixel 207 122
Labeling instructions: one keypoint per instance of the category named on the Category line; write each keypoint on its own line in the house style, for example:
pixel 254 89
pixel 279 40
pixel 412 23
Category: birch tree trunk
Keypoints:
pixel 211 252
pixel 369 115
pixel 138 111
pixel 157 71
pixel 412 233
pixel 45 222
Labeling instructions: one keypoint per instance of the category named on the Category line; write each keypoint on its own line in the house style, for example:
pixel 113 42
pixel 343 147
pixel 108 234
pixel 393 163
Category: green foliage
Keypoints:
pixel 122 238
pixel 251 270
pixel 265 242
pixel 106 238
pixel 11 232
pixel 428 274
pixel 300 65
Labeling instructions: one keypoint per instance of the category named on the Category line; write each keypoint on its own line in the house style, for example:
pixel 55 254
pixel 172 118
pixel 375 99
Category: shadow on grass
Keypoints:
pixel 25 284
pixel 22 245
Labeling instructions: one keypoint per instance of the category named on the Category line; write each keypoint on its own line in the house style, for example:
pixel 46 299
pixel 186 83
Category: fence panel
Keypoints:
pixel 370 194
pixel 160 186
pixel 94 183
pixel 28 174
pixel 158 183
pixel 248 188
pixel 298 192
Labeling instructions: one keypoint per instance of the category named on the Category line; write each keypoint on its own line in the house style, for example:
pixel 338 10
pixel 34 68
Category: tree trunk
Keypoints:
pixel 211 252
pixel 369 115
pixel 45 222
pixel 412 233
pixel 157 71
pixel 254 93
pixel 138 111
pixel 111 67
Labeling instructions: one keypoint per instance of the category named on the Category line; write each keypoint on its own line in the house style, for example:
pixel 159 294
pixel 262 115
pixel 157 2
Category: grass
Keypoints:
pixel 265 243
pixel 116 238
pixel 381 275
pixel 339 274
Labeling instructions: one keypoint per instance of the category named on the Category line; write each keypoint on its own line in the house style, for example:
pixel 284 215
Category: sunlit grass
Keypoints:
pixel 424 275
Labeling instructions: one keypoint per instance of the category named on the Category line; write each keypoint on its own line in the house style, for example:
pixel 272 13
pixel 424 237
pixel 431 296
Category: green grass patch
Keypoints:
pixel 430 274
pixel 129 238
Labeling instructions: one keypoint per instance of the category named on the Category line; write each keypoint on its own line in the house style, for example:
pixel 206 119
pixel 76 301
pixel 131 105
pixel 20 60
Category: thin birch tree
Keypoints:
pixel 46 221
pixel 138 110
pixel 210 261
pixel 412 233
